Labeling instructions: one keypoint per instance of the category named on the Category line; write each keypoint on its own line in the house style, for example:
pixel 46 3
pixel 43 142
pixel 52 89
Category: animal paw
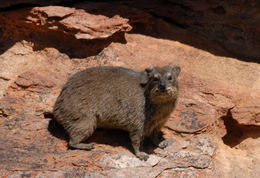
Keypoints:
pixel 142 156
pixel 163 144
pixel 82 146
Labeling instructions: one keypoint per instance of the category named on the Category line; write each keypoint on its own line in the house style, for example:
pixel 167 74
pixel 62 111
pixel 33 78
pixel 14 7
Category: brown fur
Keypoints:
pixel 120 98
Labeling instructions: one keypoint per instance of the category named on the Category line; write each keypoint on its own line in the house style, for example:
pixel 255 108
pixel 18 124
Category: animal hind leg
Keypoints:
pixel 81 146
pixel 81 132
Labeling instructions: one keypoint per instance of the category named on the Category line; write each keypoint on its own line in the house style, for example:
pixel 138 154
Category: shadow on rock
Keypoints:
pixel 112 137
pixel 237 133
pixel 57 130
pixel 188 23
pixel 24 26
pixel 160 19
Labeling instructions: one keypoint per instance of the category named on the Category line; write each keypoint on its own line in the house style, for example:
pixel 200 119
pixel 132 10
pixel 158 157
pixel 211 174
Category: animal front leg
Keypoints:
pixel 158 140
pixel 136 139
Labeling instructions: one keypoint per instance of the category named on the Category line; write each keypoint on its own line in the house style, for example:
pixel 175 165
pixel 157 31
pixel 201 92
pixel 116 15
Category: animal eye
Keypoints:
pixel 155 79
pixel 170 77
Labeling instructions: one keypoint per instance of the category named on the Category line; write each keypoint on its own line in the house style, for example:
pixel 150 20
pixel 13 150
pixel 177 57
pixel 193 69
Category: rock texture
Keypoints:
pixel 78 22
pixel 234 25
pixel 214 131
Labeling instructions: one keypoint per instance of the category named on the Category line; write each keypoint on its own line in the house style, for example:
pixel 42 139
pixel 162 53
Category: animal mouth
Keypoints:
pixel 169 92
pixel 164 90
pixel 164 95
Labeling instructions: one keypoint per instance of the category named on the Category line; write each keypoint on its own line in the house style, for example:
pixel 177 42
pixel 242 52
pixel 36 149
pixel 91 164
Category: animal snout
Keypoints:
pixel 162 85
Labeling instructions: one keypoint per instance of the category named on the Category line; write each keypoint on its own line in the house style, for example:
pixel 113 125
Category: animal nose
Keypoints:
pixel 162 85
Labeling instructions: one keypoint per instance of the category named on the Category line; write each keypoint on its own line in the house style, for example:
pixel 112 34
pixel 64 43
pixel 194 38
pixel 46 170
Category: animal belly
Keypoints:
pixel 113 123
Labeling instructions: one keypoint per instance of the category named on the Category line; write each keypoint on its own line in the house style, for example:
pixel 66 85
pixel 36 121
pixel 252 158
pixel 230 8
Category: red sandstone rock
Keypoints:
pixel 31 79
pixel 219 97
pixel 233 24
pixel 247 115
pixel 78 22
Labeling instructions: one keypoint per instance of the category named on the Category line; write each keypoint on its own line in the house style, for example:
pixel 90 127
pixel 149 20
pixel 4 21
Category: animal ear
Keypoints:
pixel 148 71
pixel 176 70
pixel 146 76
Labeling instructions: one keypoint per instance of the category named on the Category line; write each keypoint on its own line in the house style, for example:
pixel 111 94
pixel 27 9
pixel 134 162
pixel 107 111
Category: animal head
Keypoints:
pixel 162 84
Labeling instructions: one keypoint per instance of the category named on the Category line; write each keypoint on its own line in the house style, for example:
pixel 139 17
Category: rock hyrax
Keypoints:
pixel 119 98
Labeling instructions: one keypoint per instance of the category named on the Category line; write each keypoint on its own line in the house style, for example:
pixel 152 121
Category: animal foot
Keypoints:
pixel 163 144
pixel 142 156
